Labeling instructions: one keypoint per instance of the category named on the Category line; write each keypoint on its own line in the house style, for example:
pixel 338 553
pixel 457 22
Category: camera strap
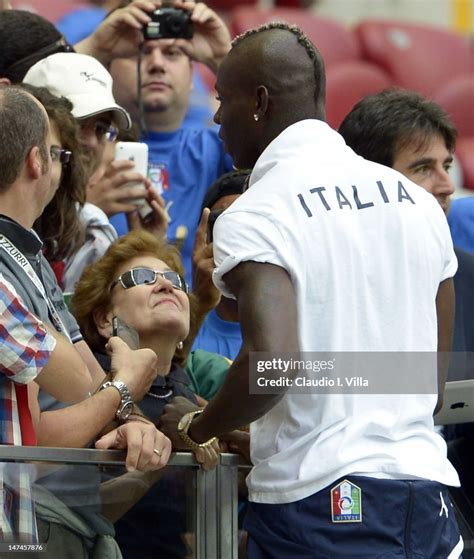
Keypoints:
pixel 22 262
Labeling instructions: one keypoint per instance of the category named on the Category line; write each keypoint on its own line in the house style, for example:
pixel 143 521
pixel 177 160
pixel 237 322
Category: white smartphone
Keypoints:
pixel 138 153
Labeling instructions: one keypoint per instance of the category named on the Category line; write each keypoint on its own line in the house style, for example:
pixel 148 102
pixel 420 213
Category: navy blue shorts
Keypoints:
pixel 394 519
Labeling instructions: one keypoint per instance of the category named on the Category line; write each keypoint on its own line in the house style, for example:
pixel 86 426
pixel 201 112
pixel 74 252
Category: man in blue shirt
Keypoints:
pixel 183 161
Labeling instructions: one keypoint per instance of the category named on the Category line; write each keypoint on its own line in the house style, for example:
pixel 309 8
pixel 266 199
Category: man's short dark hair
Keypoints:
pixel 226 185
pixel 22 34
pixel 23 125
pixel 313 54
pixel 381 124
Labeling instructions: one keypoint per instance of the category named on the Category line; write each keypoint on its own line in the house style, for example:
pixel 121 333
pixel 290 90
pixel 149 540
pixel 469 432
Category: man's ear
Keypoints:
pixel 5 81
pixel 34 163
pixel 261 102
pixel 103 322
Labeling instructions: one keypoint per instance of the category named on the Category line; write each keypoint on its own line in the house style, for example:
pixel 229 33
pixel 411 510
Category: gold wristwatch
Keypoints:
pixel 183 427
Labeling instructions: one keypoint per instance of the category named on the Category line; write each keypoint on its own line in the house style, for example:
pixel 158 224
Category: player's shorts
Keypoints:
pixel 358 517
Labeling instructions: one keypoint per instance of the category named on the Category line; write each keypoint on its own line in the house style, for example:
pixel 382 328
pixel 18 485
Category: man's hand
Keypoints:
pixel 120 34
pixel 205 291
pixel 170 418
pixel 173 412
pixel 211 41
pixel 158 223
pixel 111 191
pixel 239 442
pixel 147 448
pixel 136 368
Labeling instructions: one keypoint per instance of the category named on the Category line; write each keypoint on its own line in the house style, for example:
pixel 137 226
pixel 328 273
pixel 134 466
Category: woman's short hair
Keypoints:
pixel 93 293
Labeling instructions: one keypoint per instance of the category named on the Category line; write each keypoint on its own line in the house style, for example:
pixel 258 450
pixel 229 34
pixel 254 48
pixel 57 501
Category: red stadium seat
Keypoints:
pixel 464 152
pixel 336 42
pixel 457 98
pixel 228 4
pixel 347 84
pixel 49 9
pixel 417 57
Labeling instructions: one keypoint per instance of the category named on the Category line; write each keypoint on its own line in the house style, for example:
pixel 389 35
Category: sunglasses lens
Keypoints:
pixel 127 280
pixel 143 276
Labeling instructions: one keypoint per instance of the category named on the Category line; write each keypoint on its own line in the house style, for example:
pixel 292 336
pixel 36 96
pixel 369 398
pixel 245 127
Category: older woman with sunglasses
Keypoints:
pixel 140 280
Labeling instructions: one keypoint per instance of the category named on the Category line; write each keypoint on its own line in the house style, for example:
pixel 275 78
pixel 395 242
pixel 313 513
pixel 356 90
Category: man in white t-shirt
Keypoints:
pixel 327 252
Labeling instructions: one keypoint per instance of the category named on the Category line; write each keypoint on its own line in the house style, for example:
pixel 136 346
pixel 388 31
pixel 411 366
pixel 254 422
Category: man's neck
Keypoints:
pixel 15 208
pixel 164 121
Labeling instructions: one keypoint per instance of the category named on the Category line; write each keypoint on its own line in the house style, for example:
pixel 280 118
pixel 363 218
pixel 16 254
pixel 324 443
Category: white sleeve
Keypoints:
pixel 241 236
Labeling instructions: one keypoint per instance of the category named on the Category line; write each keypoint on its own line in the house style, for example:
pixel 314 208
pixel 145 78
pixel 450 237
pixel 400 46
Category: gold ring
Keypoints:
pixel 159 452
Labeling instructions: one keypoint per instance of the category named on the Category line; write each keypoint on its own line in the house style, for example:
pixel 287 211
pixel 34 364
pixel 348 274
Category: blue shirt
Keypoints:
pixel 219 336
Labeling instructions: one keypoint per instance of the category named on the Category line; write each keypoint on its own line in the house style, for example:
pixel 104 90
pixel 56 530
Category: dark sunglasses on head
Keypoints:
pixel 61 45
pixel 145 276
pixel 60 154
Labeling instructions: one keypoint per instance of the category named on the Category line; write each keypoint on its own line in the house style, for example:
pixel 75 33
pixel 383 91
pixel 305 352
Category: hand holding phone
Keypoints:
pixel 138 153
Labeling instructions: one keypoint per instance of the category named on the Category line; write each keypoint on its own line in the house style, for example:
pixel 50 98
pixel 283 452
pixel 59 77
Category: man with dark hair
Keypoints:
pixel 327 252
pixel 405 131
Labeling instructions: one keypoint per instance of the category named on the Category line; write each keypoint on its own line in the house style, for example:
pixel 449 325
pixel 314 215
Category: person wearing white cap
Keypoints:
pixel 85 82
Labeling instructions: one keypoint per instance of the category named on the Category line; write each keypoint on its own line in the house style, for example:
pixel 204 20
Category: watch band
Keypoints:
pixel 183 428
pixel 126 403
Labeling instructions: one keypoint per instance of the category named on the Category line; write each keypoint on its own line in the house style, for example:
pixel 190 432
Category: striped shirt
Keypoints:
pixel 25 349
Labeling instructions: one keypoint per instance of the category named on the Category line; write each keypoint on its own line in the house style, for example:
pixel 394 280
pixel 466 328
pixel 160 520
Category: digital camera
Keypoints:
pixel 169 23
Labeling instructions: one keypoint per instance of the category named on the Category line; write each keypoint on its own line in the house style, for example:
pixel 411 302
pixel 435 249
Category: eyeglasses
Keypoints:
pixel 145 276
pixel 102 130
pixel 60 154
pixel 61 45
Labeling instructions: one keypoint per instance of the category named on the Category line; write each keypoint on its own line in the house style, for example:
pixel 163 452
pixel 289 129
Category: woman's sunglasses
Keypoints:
pixel 145 276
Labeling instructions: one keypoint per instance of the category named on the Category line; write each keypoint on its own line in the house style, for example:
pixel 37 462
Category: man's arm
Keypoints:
pixel 267 311
pixel 77 425
pixel 65 376
pixel 445 314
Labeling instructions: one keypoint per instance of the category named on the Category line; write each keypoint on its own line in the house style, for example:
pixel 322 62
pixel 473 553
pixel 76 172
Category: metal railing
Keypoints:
pixel 216 497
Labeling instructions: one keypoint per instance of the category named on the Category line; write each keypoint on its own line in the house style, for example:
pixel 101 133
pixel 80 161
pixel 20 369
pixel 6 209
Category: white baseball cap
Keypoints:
pixel 83 80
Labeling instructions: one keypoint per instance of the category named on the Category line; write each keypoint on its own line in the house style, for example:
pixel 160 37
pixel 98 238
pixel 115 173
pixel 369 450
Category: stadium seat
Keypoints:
pixel 347 84
pixel 336 42
pixel 417 57
pixel 464 152
pixel 457 98
pixel 49 9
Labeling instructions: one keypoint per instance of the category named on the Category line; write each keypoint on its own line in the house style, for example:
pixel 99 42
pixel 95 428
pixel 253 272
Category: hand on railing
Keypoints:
pixel 237 442
pixel 147 448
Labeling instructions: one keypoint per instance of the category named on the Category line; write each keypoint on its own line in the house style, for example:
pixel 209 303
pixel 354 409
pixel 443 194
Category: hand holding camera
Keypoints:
pixel 121 34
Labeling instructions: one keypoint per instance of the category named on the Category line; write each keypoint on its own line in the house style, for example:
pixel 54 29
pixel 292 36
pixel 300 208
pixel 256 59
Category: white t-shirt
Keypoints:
pixel 366 250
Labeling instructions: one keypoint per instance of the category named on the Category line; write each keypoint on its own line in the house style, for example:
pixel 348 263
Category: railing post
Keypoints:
pixel 206 514
pixel 228 531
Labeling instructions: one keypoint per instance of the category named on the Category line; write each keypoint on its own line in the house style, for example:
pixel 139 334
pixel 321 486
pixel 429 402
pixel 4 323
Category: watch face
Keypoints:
pixel 126 410
pixel 182 422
